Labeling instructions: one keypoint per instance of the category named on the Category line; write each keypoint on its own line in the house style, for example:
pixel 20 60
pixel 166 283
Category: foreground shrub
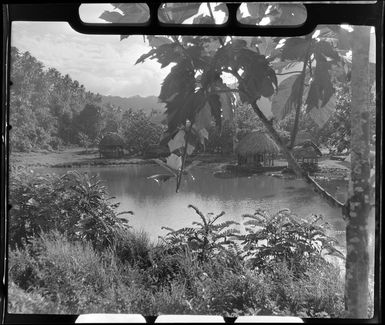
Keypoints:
pixel 207 238
pixel 134 247
pixel 74 204
pixel 282 238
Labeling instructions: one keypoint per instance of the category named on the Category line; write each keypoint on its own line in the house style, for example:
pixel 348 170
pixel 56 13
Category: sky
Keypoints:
pixel 102 63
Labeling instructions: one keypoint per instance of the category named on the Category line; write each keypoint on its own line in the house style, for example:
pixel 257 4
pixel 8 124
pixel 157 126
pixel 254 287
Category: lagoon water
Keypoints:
pixel 156 205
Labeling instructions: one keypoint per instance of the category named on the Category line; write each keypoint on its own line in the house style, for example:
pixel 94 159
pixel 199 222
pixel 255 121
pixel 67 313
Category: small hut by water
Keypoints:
pixel 307 153
pixel 111 146
pixel 256 149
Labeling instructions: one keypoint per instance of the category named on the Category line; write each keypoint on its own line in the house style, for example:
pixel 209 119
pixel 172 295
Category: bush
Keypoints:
pixel 74 204
pixel 197 270
pixel 282 238
pixel 134 247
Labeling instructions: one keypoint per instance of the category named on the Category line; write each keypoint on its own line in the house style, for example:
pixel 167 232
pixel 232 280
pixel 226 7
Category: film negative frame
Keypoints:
pixel 347 12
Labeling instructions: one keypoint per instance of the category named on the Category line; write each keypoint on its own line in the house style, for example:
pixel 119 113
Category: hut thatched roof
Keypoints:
pixel 256 142
pixel 302 137
pixel 111 140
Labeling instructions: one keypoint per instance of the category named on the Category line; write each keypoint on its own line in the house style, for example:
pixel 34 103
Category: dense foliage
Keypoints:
pixel 44 104
pixel 275 75
pixel 63 261
pixel 73 204
pixel 139 132
pixel 51 111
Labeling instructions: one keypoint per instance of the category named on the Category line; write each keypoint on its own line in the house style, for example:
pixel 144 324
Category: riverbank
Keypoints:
pixel 78 157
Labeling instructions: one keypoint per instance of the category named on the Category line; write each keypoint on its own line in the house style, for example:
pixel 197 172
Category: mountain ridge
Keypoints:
pixel 136 102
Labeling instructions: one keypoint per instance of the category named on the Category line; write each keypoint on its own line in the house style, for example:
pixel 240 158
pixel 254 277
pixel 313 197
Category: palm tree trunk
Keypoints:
pixel 357 255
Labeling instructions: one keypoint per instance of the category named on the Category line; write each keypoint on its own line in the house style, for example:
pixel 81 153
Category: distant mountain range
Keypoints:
pixel 147 104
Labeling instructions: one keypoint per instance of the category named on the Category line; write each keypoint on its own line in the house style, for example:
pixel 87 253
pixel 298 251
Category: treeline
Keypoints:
pixel 51 111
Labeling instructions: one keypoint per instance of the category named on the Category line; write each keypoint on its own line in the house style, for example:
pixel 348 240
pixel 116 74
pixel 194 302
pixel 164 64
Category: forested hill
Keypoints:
pixel 49 110
pixel 147 104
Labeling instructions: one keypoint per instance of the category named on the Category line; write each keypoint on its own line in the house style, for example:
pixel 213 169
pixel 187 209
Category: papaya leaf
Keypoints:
pixel 132 13
pixel 326 49
pixel 145 56
pixel 294 48
pixel 180 80
pixel 156 41
pixel 286 98
pixel 168 53
pixel 203 118
pixel 215 107
pixel 160 178
pixel 257 10
pixel 178 141
pixel 111 16
pixel 321 115
pixel 266 46
pixel 321 88
pixel 174 161
pixel 177 13
pixel 344 37
pixel 290 14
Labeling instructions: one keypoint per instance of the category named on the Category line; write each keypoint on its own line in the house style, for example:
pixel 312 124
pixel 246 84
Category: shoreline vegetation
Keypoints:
pixel 78 157
pixel 64 259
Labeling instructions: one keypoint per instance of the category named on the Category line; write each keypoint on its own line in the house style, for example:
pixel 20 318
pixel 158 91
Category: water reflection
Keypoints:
pixel 156 205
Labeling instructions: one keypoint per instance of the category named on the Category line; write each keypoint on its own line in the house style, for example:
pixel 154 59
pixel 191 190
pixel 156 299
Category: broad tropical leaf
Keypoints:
pixel 325 48
pixel 160 178
pixel 156 41
pixel 294 48
pixel 174 161
pixel 132 13
pixel 178 141
pixel 289 14
pixel 321 88
pixel 286 97
pixel 177 13
pixel 180 80
pixel 203 118
pixel 322 114
pixel 165 166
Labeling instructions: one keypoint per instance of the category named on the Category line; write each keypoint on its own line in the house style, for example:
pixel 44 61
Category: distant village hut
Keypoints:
pixel 307 153
pixel 256 149
pixel 111 146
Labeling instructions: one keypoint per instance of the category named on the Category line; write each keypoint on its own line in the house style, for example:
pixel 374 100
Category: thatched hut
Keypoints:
pixel 303 137
pixel 111 146
pixel 307 153
pixel 256 149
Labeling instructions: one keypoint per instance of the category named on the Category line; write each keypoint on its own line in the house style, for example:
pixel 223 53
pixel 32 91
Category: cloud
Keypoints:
pixel 102 63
